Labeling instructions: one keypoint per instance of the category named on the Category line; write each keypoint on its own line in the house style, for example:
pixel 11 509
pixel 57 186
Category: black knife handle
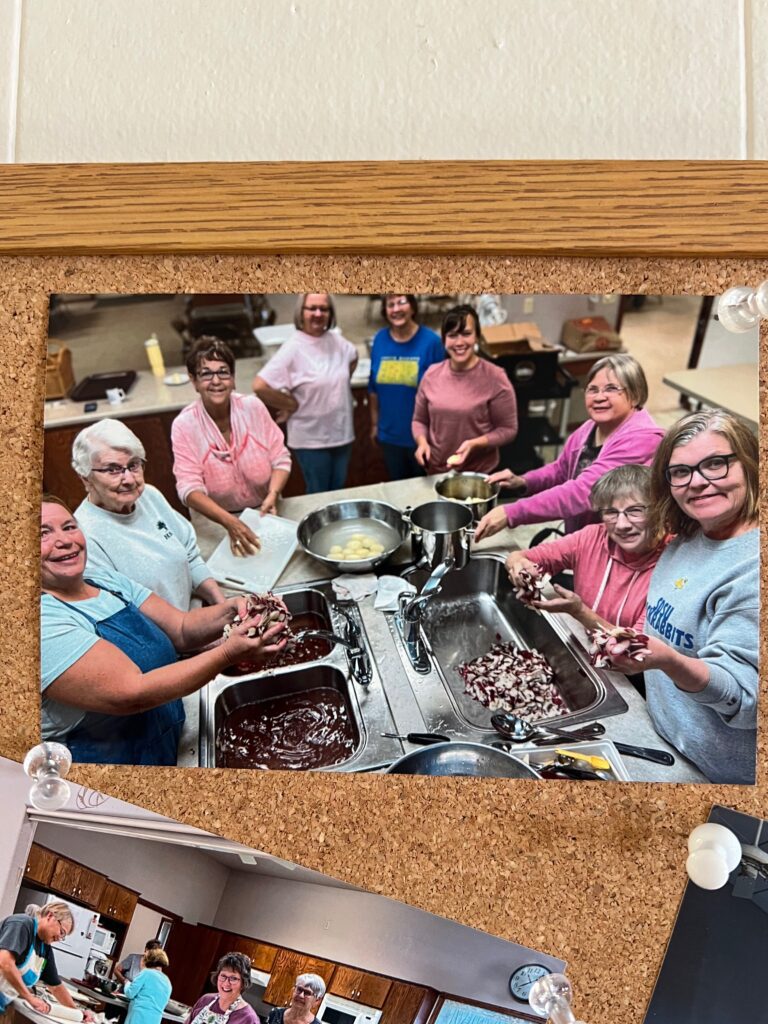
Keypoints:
pixel 646 753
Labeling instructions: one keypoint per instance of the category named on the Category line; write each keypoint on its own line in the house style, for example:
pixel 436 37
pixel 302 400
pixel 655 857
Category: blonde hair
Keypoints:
pixel 60 910
pixel 155 958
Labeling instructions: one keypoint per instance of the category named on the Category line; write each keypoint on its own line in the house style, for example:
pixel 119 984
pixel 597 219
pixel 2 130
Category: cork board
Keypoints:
pixel 588 873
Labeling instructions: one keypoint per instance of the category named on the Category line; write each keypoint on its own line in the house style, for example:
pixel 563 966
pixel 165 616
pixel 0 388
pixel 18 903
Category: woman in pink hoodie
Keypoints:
pixel 611 561
pixel 618 432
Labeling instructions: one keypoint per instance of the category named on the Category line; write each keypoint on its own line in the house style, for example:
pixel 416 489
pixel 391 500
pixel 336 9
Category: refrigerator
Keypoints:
pixel 71 953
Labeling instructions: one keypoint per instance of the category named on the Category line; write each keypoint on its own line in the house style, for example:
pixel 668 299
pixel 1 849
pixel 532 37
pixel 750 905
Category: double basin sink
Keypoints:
pixel 330 716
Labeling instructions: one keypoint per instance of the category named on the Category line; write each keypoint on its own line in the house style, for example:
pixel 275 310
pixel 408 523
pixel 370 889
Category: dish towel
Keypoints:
pixel 390 587
pixel 350 587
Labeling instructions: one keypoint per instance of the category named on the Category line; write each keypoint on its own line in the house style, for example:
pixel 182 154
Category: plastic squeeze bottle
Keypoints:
pixel 155 355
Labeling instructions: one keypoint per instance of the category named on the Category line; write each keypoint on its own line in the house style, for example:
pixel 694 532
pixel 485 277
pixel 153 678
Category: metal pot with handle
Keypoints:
pixel 440 531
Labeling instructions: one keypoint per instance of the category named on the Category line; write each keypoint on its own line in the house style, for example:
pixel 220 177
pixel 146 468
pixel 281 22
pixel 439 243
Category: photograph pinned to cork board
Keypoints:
pixel 447 580
pixel 516 858
pixel 169 919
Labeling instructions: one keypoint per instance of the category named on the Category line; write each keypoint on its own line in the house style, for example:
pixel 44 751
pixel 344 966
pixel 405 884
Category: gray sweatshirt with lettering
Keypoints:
pixel 704 601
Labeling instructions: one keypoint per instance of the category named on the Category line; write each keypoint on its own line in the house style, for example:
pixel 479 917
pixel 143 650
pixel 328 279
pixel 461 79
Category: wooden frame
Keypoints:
pixel 552 872
pixel 580 208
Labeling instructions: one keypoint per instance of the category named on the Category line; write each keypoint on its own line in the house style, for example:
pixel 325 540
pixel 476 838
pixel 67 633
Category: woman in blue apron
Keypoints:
pixel 112 682
pixel 26 956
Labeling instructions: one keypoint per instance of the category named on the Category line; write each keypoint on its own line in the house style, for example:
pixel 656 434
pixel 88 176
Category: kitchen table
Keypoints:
pixel 633 726
pixel 114 1003
pixel 733 388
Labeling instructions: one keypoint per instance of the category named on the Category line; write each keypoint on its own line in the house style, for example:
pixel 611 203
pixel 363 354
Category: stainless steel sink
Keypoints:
pixel 366 706
pixel 476 607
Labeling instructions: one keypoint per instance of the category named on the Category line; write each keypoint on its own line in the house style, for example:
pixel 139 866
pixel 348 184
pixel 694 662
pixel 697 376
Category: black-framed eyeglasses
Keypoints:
pixel 635 514
pixel 135 466
pixel 223 374
pixel 316 309
pixel 715 467
pixel 302 991
pixel 233 979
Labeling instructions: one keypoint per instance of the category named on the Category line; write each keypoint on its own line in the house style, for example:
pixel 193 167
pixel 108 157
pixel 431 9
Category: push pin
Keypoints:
pixel 713 853
pixel 551 996
pixel 740 308
pixel 47 764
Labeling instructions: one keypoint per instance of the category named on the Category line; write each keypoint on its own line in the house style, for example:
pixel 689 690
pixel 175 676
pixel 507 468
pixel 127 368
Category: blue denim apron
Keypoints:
pixel 30 970
pixel 149 737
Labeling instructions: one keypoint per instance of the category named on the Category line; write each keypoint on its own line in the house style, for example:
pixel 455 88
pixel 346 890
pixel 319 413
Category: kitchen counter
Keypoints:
pixel 121 1005
pixel 150 395
pixel 633 726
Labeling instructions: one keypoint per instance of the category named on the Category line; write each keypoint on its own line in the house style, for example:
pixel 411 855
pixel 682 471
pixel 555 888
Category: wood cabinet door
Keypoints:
pixel 370 989
pixel 366 466
pixel 191 950
pixel 40 865
pixel 261 954
pixel 66 877
pixel 286 969
pixel 118 903
pixel 91 886
pixel 407 1004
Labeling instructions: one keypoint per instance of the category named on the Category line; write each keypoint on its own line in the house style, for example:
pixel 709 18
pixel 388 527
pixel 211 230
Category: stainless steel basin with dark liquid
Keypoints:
pixel 476 607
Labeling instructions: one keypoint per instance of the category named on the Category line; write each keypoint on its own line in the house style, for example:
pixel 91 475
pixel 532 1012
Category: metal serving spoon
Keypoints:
pixel 514 728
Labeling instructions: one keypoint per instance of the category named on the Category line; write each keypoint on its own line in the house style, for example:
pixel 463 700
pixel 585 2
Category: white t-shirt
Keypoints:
pixel 316 372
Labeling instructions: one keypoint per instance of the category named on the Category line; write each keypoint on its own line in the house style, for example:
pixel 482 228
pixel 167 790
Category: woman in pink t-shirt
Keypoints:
pixel 307 382
pixel 465 406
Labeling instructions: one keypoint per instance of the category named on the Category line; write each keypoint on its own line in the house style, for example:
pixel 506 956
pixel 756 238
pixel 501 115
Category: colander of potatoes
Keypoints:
pixel 353 536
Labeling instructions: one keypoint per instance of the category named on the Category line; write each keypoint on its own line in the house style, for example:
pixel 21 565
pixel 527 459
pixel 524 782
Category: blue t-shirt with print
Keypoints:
pixel 396 370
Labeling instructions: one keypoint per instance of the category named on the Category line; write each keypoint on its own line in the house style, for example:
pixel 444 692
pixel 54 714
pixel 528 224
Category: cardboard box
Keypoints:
pixel 504 339
pixel 590 334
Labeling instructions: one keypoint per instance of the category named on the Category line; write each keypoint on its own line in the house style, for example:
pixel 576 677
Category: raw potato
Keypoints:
pixel 359 547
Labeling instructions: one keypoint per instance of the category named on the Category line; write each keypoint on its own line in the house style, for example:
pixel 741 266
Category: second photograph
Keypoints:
pixel 482 535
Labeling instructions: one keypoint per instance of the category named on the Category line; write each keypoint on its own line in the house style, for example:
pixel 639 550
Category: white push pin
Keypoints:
pixel 47 764
pixel 551 996
pixel 740 308
pixel 713 853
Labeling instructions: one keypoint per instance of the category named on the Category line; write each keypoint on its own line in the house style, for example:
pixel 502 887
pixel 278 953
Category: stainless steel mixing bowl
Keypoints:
pixel 341 511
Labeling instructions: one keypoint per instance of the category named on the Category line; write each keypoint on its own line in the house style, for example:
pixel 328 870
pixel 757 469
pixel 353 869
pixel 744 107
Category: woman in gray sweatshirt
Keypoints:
pixel 703 601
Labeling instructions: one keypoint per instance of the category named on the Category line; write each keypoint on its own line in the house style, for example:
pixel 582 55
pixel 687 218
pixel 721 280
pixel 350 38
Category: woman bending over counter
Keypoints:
pixel 465 406
pixel 228 453
pixel 618 432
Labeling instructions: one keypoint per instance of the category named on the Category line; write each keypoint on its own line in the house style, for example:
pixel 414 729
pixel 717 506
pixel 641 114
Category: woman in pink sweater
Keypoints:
pixel 612 562
pixel 465 406
pixel 228 453
pixel 618 432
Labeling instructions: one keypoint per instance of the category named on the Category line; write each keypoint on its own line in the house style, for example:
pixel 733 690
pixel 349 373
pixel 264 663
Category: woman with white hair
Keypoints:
pixel 307 993
pixel 129 525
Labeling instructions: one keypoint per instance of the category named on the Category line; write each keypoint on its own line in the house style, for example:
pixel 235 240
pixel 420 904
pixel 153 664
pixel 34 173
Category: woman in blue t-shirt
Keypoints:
pixel 400 356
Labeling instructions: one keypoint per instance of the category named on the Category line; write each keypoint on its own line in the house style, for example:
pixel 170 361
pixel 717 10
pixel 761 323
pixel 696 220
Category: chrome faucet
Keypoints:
pixel 409 616
pixel 359 662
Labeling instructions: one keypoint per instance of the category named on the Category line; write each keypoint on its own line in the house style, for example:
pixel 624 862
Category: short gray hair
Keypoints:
pixel 628 372
pixel 106 433
pixel 313 982
pixel 622 480
pixel 298 320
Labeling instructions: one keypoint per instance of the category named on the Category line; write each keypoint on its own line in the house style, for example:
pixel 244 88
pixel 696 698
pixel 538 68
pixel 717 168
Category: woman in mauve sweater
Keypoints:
pixel 618 432
pixel 465 406
pixel 611 561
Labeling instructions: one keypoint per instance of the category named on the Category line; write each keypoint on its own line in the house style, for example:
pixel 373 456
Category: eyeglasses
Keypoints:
pixel 609 389
pixel 635 514
pixel 224 374
pixel 397 303
pixel 316 309
pixel 231 978
pixel 302 991
pixel 714 468
pixel 135 466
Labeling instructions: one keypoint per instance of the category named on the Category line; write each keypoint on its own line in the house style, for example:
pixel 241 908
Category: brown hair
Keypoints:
pixel 664 509
pixel 235 962
pixel 413 302
pixel 456 320
pixel 208 346
pixel 298 313
pixel 52 499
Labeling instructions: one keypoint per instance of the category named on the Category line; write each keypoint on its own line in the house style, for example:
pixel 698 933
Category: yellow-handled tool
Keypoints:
pixel 600 764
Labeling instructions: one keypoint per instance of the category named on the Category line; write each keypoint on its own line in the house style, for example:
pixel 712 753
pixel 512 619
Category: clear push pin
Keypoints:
pixel 47 764
pixel 713 853
pixel 739 309
pixel 551 996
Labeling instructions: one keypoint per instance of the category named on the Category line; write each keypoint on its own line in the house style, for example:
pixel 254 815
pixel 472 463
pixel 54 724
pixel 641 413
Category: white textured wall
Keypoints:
pixel 95 80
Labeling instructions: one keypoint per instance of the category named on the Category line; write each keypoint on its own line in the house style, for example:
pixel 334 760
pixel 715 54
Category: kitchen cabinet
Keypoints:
pixel 366 466
pixel 286 969
pixel 370 989
pixel 407 1004
pixel 118 903
pixel 153 431
pixel 78 882
pixel 40 865
pixel 261 954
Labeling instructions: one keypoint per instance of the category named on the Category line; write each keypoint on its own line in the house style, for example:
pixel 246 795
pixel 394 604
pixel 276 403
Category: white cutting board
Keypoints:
pixel 261 571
